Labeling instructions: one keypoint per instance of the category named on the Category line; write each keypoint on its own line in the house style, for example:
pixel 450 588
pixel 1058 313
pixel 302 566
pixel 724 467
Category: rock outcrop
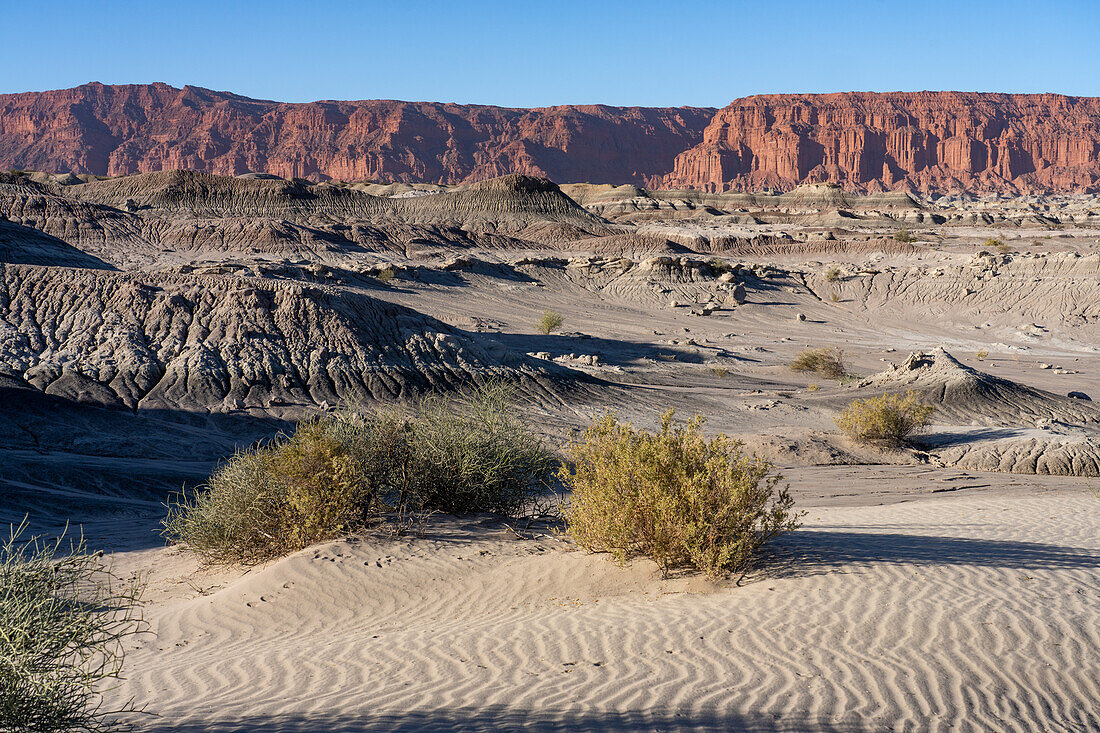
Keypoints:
pixel 193 343
pixel 868 142
pixel 120 130
pixel 924 141
pixel 131 220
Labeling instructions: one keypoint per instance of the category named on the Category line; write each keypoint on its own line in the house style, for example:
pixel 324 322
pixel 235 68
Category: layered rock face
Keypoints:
pixel 867 142
pixel 924 141
pixel 120 130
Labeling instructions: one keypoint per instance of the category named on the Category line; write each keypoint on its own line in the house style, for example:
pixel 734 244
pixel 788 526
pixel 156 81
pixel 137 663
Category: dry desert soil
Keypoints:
pixel 152 324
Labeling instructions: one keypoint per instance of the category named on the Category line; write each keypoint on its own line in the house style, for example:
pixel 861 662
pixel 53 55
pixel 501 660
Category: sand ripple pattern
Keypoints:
pixel 948 614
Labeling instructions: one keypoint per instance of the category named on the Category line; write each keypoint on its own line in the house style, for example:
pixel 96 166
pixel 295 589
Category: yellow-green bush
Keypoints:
pixel 889 419
pixel 549 322
pixel 827 362
pixel 64 621
pixel 903 235
pixel 342 472
pixel 475 456
pixel 673 496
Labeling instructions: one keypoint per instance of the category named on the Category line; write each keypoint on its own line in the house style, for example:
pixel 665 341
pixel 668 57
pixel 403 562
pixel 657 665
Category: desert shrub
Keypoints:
pixel 63 620
pixel 889 419
pixel 386 275
pixel 719 266
pixel 720 371
pixel 549 322
pixel 835 297
pixel 903 235
pixel 273 499
pixel 673 496
pixel 981 354
pixel 832 274
pixel 828 362
pixel 479 456
pixel 343 472
pixel 812 387
pixel 997 244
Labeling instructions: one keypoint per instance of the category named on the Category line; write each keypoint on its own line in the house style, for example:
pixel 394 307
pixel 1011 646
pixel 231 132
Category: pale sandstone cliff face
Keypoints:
pixel 925 141
pixel 119 130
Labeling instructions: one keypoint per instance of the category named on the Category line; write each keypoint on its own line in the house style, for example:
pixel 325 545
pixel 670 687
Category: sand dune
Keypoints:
pixel 958 613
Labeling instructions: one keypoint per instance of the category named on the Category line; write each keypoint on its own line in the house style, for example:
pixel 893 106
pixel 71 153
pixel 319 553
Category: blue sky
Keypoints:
pixel 555 51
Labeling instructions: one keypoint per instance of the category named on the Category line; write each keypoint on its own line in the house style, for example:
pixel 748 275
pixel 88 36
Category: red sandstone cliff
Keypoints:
pixel 118 130
pixel 926 141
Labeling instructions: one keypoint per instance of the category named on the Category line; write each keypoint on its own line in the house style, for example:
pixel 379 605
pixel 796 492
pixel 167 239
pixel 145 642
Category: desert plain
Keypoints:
pixel 152 324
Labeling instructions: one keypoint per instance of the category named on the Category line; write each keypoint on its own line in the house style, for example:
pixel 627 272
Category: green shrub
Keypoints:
pixel 480 457
pixel 887 420
pixel 549 322
pixel 828 362
pixel 903 235
pixel 63 620
pixel 673 496
pixel 832 274
pixel 386 275
pixel 981 354
pixel 343 472
pixel 997 244
pixel 274 499
pixel 718 265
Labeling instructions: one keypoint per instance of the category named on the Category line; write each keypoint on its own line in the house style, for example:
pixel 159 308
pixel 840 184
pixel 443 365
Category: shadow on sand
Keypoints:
pixel 506 719
pixel 814 550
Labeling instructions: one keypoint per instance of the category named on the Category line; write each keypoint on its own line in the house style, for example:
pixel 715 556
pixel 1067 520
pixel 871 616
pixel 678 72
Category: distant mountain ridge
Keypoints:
pixel 917 141
pixel 119 130
pixel 920 142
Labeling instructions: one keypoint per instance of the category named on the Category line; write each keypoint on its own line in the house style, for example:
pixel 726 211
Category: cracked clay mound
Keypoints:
pixel 1064 439
pixel 224 344
pixel 135 219
pixel 963 395
pixel 511 202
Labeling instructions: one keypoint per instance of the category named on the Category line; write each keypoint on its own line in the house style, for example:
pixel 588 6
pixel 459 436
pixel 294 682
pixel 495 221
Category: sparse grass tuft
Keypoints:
pixel 549 322
pixel 828 362
pixel 812 387
pixel 673 496
pixel 343 472
pixel 832 274
pixel 64 618
pixel 720 371
pixel 888 420
pixel 835 297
